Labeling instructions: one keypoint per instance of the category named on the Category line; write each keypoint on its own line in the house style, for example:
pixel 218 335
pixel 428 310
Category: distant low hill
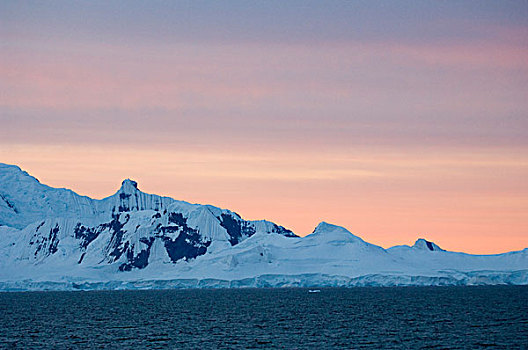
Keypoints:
pixel 55 239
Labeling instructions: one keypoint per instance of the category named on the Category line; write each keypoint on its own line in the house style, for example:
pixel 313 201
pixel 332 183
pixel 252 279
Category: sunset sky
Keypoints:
pixel 395 119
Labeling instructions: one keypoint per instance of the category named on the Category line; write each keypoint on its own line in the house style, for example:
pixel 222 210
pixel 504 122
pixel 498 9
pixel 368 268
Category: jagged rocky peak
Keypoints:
pixel 128 186
pixel 130 198
pixel 426 245
pixel 127 194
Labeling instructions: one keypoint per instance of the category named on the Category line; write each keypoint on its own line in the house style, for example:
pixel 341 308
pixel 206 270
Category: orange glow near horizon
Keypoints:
pixel 396 122
pixel 458 200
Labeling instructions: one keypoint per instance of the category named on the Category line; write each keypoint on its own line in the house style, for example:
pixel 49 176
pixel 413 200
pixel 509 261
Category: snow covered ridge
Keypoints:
pixel 55 239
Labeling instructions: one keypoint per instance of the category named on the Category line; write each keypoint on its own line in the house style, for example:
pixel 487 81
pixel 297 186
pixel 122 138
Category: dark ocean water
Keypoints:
pixel 400 317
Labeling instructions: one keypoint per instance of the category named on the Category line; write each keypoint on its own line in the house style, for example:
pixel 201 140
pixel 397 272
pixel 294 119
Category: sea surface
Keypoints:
pixel 355 318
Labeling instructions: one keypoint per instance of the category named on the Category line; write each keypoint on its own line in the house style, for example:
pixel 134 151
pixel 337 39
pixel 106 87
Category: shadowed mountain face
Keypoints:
pixel 119 229
pixel 53 237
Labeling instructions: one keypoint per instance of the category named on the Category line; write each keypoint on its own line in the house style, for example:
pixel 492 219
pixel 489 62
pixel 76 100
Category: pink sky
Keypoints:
pixel 472 201
pixel 396 123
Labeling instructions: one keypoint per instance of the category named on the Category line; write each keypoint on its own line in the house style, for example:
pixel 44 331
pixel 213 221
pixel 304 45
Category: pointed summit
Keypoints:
pixel 330 232
pixel 426 245
pixel 128 186
pixel 130 198
pixel 326 227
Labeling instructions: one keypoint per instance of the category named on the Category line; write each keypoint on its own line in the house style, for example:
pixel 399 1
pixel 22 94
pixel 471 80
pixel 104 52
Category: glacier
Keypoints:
pixel 55 239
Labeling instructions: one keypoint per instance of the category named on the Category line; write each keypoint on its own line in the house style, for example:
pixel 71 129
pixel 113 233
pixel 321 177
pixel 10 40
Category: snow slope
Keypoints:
pixel 55 239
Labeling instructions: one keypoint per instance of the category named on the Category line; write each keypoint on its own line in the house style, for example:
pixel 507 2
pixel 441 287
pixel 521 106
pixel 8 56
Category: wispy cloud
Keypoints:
pixel 390 118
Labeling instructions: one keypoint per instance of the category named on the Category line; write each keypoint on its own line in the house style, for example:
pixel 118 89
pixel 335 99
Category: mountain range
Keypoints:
pixel 55 239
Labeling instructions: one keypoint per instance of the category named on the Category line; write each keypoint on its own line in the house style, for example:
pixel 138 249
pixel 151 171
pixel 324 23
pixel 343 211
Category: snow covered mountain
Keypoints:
pixel 56 239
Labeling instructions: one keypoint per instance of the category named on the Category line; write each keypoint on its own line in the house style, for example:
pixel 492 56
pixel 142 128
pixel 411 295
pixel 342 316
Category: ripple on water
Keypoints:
pixel 406 317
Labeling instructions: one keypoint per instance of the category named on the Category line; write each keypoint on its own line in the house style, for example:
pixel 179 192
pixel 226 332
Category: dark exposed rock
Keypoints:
pixel 124 195
pixel 283 231
pixel 86 234
pixel 139 261
pixel 116 229
pixel 40 225
pixel 429 245
pixel 9 204
pixel 54 241
pixel 169 229
pixel 236 228
pixel 178 219
pixel 47 244
pixel 188 244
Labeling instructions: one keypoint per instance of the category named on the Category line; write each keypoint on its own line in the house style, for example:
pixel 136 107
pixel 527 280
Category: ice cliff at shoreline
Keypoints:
pixel 55 239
